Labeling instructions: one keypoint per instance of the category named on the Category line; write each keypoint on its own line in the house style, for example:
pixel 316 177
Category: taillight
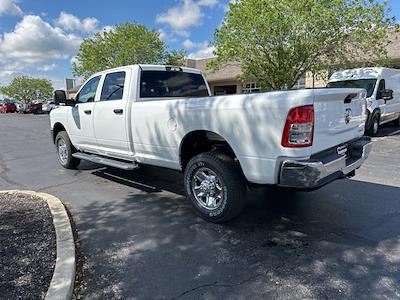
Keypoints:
pixel 299 127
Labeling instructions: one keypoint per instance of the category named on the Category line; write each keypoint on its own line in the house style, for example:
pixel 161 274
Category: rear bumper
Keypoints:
pixel 324 168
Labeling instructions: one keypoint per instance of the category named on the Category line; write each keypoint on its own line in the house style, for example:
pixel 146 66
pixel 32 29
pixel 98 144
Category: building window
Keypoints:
pixel 251 87
pixel 225 90
pixel 300 84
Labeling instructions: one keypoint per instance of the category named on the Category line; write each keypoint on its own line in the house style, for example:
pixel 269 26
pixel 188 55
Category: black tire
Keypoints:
pixel 66 160
pixel 232 186
pixel 397 122
pixel 373 128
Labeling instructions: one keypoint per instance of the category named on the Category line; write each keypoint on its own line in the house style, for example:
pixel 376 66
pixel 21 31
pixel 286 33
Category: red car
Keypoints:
pixel 35 108
pixel 8 107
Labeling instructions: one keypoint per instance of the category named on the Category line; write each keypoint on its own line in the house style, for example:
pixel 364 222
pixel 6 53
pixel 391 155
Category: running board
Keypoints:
pixel 106 161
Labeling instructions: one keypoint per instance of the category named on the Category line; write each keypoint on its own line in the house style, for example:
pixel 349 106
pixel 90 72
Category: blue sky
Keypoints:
pixel 40 37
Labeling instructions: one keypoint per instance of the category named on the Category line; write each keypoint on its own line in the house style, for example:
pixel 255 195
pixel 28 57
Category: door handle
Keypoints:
pixel 118 111
pixel 88 112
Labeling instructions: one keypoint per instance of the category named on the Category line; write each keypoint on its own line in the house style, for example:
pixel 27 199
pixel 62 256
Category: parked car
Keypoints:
pixel 8 107
pixel 165 116
pixel 383 93
pixel 21 107
pixel 35 107
pixel 48 106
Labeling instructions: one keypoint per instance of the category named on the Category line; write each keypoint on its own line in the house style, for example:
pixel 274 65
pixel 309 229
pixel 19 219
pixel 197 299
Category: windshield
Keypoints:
pixel 368 84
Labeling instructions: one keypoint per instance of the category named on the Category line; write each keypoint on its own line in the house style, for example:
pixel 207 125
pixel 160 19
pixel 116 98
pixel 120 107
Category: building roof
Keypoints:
pixel 231 71
pixel 226 72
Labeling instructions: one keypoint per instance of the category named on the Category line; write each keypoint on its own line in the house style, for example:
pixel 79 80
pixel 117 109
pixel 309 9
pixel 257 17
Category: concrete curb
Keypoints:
pixel 62 283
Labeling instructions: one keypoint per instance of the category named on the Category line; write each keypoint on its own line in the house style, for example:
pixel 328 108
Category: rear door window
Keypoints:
pixel 113 86
pixel 162 84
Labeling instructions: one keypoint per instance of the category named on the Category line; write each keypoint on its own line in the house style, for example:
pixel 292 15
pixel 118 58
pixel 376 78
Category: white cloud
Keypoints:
pixel 183 33
pixel 163 35
pixel 36 41
pixel 71 22
pixel 183 16
pixel 201 50
pixel 107 28
pixel 46 68
pixel 188 44
pixel 186 14
pixel 73 60
pixel 9 71
pixel 208 2
pixel 10 7
pixel 166 37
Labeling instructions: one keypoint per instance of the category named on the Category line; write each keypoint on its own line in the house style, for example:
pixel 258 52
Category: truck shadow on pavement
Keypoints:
pixel 340 241
pixel 388 130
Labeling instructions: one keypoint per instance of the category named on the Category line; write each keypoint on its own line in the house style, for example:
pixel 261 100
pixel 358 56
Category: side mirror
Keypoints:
pixel 387 95
pixel 61 97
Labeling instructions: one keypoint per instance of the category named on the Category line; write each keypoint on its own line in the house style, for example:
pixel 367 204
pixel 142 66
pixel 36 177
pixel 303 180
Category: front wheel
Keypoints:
pixel 374 127
pixel 397 122
pixel 215 187
pixel 65 149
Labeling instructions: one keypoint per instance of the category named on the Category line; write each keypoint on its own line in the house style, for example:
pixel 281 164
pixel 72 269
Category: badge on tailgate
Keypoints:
pixel 347 115
pixel 342 150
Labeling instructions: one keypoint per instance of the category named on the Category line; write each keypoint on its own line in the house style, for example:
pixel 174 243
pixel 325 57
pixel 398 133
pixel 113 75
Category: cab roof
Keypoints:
pixel 149 67
pixel 361 73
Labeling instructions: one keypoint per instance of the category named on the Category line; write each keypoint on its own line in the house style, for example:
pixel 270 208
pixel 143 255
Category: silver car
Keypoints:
pixel 48 106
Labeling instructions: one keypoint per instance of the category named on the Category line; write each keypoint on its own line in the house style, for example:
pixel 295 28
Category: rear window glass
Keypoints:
pixel 160 84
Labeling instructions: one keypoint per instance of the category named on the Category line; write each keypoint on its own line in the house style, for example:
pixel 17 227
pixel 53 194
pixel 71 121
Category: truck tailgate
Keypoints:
pixel 340 116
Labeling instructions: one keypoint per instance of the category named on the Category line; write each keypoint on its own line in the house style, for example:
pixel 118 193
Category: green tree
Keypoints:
pixel 124 44
pixel 175 58
pixel 27 89
pixel 277 41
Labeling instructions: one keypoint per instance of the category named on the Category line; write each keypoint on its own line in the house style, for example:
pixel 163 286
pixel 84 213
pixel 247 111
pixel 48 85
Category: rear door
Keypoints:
pixel 340 116
pixel 110 116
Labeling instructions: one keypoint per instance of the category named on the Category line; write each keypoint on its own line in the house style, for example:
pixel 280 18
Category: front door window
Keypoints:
pixel 88 92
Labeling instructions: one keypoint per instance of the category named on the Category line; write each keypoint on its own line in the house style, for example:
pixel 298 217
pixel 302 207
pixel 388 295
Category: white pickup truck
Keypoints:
pixel 165 116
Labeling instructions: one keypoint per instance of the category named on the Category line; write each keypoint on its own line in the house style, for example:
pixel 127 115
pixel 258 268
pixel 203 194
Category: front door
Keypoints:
pixel 80 120
pixel 388 107
pixel 111 116
pixel 379 98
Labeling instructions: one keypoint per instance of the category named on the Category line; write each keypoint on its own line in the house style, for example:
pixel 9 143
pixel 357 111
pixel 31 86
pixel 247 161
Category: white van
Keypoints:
pixel 383 93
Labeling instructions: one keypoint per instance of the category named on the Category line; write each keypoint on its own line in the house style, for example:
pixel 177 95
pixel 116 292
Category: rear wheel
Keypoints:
pixel 65 149
pixel 374 126
pixel 215 186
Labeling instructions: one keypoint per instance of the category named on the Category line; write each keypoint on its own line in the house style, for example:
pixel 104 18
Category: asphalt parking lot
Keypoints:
pixel 142 240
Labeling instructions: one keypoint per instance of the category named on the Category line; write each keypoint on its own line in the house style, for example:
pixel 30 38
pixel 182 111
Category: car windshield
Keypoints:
pixel 368 84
